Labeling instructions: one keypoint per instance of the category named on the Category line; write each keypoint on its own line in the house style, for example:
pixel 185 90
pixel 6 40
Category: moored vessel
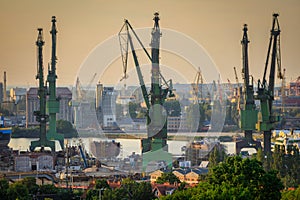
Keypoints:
pixel 5 133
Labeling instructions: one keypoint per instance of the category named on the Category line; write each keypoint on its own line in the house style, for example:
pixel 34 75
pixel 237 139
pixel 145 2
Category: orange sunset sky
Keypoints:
pixel 82 25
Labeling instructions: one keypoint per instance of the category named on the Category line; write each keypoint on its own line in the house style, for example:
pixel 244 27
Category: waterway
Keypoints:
pixel 129 145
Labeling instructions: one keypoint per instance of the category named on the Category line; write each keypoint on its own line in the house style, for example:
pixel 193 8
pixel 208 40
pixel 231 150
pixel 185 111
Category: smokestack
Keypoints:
pixel 4 88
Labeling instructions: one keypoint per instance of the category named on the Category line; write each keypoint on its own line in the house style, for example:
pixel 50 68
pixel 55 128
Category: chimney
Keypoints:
pixel 4 87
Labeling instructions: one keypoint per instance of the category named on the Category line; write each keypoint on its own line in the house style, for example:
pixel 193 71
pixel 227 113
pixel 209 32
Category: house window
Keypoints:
pixel 168 192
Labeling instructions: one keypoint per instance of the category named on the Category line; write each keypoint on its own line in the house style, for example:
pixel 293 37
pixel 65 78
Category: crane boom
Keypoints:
pixel 139 72
pixel 126 42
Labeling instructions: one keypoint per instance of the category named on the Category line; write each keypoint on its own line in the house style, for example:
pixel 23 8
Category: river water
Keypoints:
pixel 128 145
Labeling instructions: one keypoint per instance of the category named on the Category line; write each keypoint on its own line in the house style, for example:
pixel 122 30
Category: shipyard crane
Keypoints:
pixel 220 89
pixel 231 93
pixel 197 92
pixel 248 112
pixel 199 100
pixel 53 101
pixel 238 90
pixel 283 99
pixel 265 92
pixel 154 99
pixel 283 93
pixel 41 115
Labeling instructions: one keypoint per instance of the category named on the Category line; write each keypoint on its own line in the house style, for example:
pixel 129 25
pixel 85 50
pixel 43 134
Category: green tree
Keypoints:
pixel 65 194
pixel 65 127
pixel 133 109
pixel 182 186
pixel 216 156
pixel 18 191
pixel 168 177
pixel 4 188
pixel 260 155
pixel 129 190
pixel 173 108
pixel 48 189
pixel 92 194
pixel 235 178
pixel 143 191
pixel 246 177
pixel 30 183
pixel 101 184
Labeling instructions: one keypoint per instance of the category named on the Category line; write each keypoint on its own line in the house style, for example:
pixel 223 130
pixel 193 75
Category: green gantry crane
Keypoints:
pixel 53 102
pixel 248 111
pixel 265 91
pixel 41 115
pixel 154 147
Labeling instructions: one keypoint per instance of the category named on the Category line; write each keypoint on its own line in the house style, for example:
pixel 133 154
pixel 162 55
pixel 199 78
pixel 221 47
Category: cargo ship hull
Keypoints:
pixel 5 135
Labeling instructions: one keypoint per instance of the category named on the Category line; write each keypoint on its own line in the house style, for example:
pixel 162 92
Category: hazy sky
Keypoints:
pixel 82 25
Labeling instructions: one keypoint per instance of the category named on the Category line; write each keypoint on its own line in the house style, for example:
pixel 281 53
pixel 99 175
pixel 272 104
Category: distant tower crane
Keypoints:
pixel 53 102
pixel 238 89
pixel 231 92
pixel 248 112
pixel 220 89
pixel 283 93
pixel 265 91
pixel 41 115
pixel 4 87
pixel 154 147
pixel 198 92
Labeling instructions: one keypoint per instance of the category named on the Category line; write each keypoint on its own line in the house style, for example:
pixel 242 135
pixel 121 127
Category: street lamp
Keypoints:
pixel 100 192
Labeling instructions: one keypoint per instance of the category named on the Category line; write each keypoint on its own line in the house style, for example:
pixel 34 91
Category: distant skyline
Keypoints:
pixel 82 25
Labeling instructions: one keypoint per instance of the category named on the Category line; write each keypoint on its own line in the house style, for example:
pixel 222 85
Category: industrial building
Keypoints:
pixel 32 104
pixel 106 105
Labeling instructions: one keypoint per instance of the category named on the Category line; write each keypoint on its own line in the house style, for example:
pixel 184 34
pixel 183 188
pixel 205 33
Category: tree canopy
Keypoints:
pixel 65 127
pixel 129 189
pixel 236 178
pixel 168 177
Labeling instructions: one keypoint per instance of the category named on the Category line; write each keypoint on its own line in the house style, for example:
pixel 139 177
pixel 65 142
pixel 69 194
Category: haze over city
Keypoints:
pixel 215 25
